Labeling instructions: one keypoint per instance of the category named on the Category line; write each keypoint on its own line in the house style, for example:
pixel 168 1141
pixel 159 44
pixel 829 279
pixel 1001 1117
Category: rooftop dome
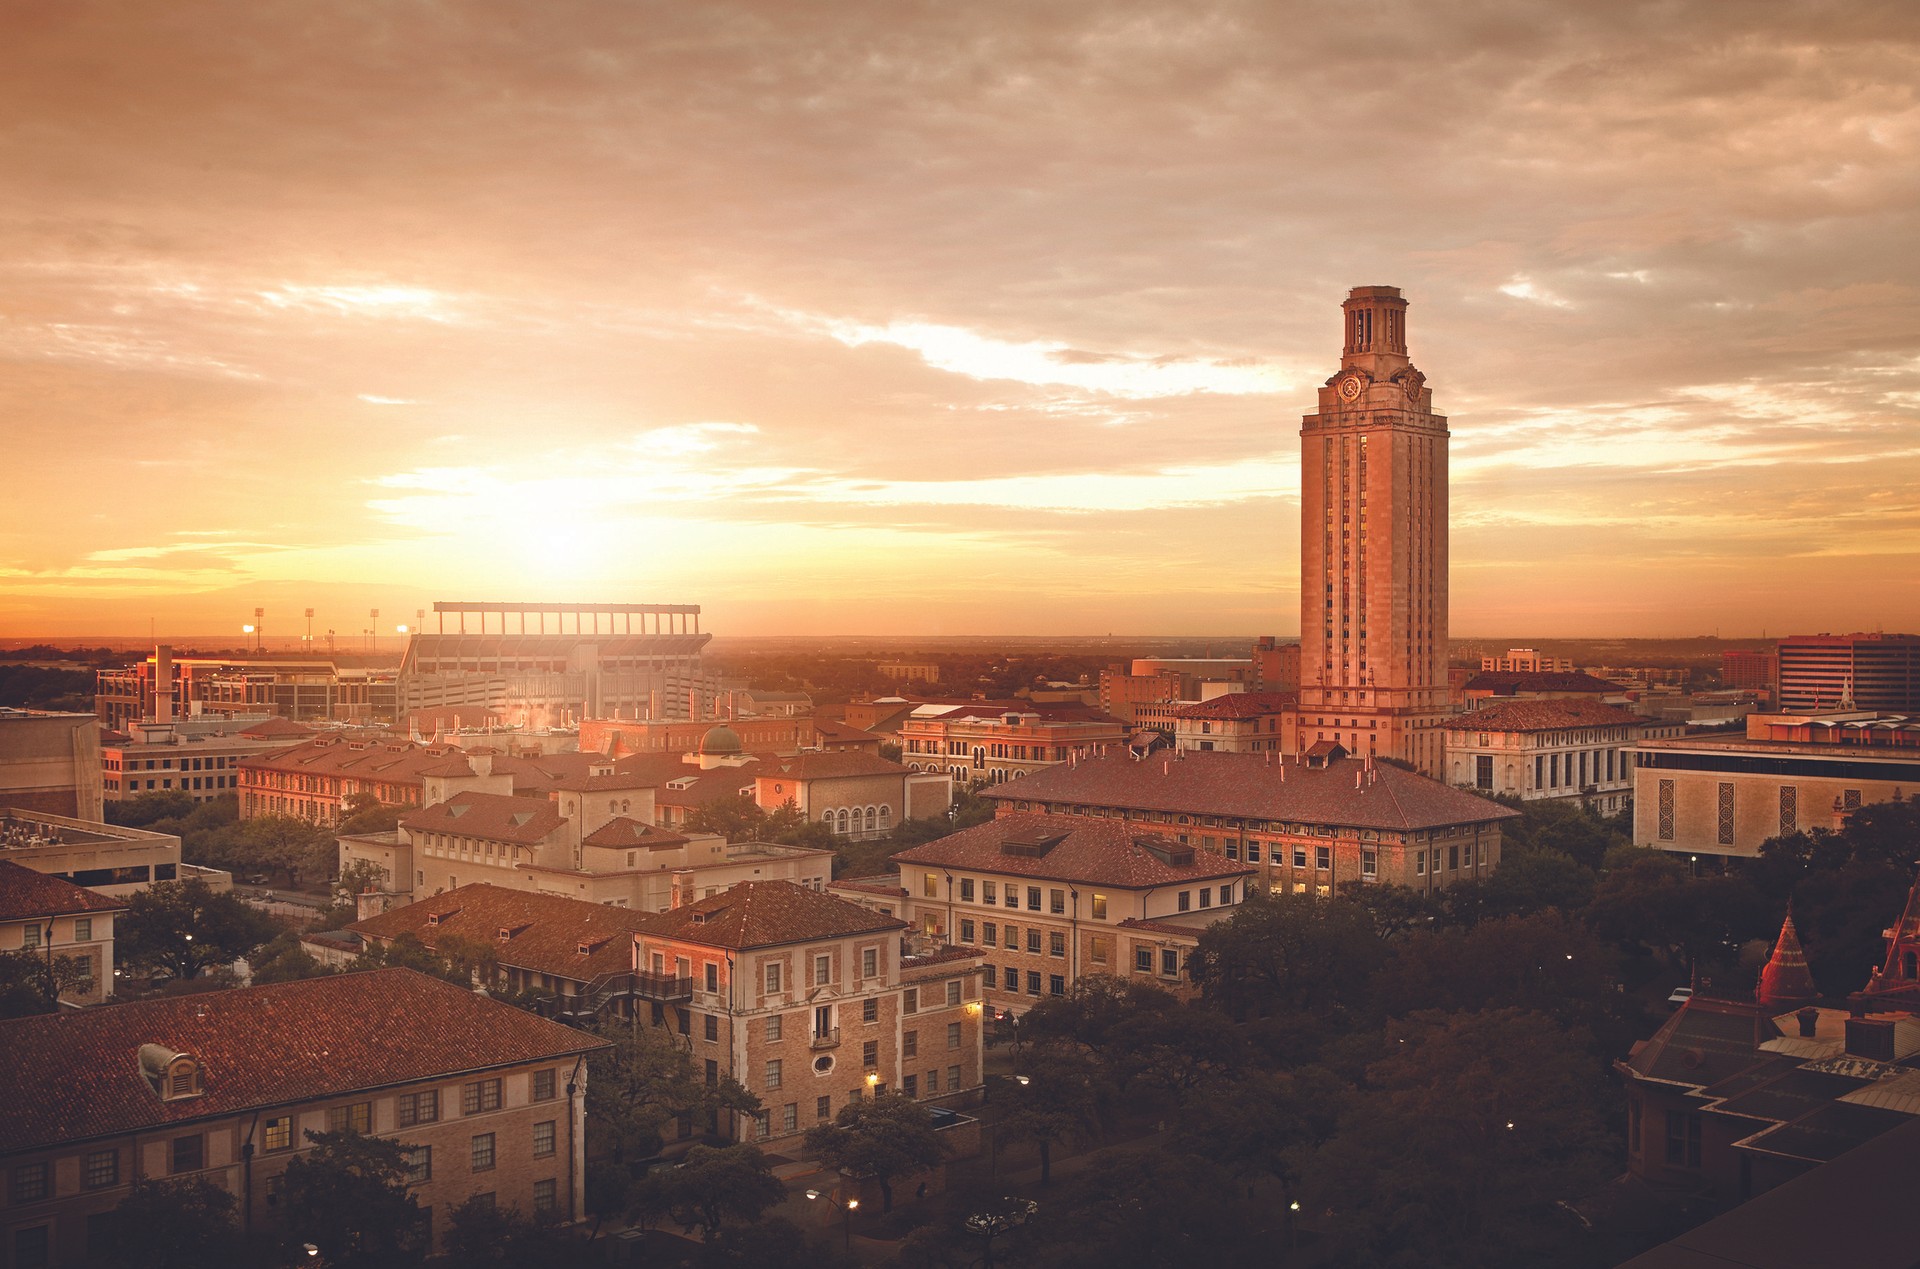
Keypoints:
pixel 722 740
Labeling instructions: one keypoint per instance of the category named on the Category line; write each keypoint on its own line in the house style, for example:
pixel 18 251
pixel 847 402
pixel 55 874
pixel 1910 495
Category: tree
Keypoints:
pixel 1147 1210
pixel 712 1184
pixel 349 1197
pixel 364 813
pixel 291 845
pixel 645 1080
pixel 483 1235
pixel 1052 1102
pixel 184 926
pixel 32 983
pixel 171 1225
pixel 883 1137
pixel 1262 1123
pixel 284 960
pixel 1288 952
pixel 737 819
pixel 147 808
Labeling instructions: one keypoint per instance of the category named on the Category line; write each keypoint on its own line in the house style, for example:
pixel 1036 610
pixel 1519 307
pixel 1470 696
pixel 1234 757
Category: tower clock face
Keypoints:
pixel 1350 388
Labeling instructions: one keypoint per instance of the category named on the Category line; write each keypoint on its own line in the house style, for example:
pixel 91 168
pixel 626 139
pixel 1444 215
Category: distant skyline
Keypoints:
pixel 956 320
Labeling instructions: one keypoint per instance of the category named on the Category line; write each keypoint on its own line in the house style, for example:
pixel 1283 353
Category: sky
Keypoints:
pixel 919 318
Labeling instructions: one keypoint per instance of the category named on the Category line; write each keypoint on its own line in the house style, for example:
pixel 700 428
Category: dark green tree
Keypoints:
pixel 883 1137
pixel 1052 1102
pixel 713 1185
pixel 171 1225
pixel 1288 952
pixel 284 960
pixel 31 982
pixel 349 1197
pixel 645 1080
pixel 184 926
pixel 481 1234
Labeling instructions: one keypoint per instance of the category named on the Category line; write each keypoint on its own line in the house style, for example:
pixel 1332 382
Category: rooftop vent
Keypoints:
pixel 1166 850
pixel 172 1075
pixel 437 918
pixel 1032 843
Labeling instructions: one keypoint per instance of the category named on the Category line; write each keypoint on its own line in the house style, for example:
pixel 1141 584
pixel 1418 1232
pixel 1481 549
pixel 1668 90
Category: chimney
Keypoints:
pixel 1808 1018
pixel 163 683
pixel 696 707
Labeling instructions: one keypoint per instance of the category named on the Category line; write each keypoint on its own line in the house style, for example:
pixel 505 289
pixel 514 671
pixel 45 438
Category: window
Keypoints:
pixel 82 929
pixel 773 1073
pixel 1098 949
pixel 187 1154
pixel 910 1044
pixel 1033 982
pixel 1206 896
pixel 712 1025
pixel 989 892
pixel 478 1096
pixel 990 975
pixel 910 1000
pixel 1099 907
pixel 1143 960
pixel 1033 941
pixel 30 934
pixel 1683 1139
pixel 966 889
pixel 101 1168
pixel 773 978
pixel 930 885
pixel 774 1028
pixel 953 1035
pixel 953 991
pixel 29 1182
pixel 870 1053
pixel 1186 900
pixel 32 1245
pixel 713 1073
pixel 481 1152
pixel 966 931
pixel 424 1108
pixel 712 977
pixel 1369 863
pixel 279 1133
pixel 1299 856
pixel 790 1117
pixel 686 1021
pixel 1323 858
pixel 1420 863
pixel 910 1085
pixel 989 933
pixel 1057 984
pixel 1013 978
pixel 1013 938
pixel 953 1078
pixel 869 963
pixel 1170 962
pixel 1057 902
pixel 1253 852
pixel 543 1195
pixel 1033 898
pixel 933 1081
pixel 1056 944
pixel 543 1082
pixel 543 1138
pixel 870 1010
pixel 823 1107
pixel 419 1165
pixel 822 970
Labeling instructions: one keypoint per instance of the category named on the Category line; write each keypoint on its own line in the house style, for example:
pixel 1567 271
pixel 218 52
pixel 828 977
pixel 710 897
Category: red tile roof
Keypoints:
pixel 76 1076
pixel 25 894
pixel 499 817
pixel 827 766
pixel 623 833
pixel 1510 682
pixel 548 929
pixel 1248 786
pixel 1543 715
pixel 838 733
pixel 770 914
pixel 1240 705
pixel 1094 852
pixel 704 786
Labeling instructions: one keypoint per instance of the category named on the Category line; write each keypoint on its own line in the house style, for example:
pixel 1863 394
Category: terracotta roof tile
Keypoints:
pixel 828 766
pixel 25 893
pixel 1542 715
pixel 622 832
pixel 548 929
pixel 76 1076
pixel 1094 852
pixel 1248 786
pixel 770 914
pixel 1508 682
pixel 499 817
pixel 1240 705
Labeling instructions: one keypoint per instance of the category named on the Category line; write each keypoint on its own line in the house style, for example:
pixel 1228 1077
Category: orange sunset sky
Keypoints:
pixel 963 318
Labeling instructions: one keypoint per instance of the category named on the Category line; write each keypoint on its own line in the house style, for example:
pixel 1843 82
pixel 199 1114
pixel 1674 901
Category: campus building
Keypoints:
pixel 1574 748
pixel 203 763
pixel 50 762
pixel 1851 671
pixel 988 743
pixel 67 924
pixel 224 1086
pixel 341 687
pixel 1237 722
pixel 108 858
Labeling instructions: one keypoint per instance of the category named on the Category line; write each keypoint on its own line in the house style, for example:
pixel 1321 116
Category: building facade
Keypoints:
pixel 1852 671
pixel 50 762
pixel 1373 548
pixel 164 757
pixel 314 686
pixel 107 858
pixel 1526 661
pixel 986 744
pixel 1720 797
pixel 1046 900
pixel 223 1087
pixel 1238 722
pixel 1533 749
pixel 65 923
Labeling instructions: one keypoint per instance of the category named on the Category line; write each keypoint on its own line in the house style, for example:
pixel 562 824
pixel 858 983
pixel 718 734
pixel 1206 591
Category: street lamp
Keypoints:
pixel 846 1216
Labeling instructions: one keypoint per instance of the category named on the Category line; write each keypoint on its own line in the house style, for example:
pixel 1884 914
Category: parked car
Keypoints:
pixel 1680 996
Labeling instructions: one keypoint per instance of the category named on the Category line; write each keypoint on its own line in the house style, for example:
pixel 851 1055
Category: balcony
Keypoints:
pixel 662 987
pixel 827 1039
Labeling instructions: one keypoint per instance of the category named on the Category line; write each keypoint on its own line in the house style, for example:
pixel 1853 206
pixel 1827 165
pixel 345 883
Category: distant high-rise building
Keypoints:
pixel 1526 661
pixel 1373 548
pixel 1859 671
pixel 1747 668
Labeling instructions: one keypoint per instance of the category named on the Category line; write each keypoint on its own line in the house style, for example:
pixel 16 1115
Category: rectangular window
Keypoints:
pixel 790 1117
pixel 1143 959
pixel 1206 896
pixel 424 1108
pixel 773 978
pixel 712 1025
pixel 910 1000
pixel 1299 856
pixel 822 970
pixel 773 1073
pixel 187 1154
pixel 870 1054
pixel 1098 949
pixel 1186 900
pixel 1033 941
pixel 1033 898
pixel 933 1081
pixel 1683 1139
pixel 989 933
pixel 1056 984
pixel 278 1134
pixel 30 935
pixel 953 1035
pixel 420 1165
pixel 774 1029
pixel 1099 907
pixel 990 975
pixel 481 1152
pixel 478 1096
pixel 101 1168
pixel 930 886
pixel 1369 863
pixel 910 1085
pixel 30 1182
pixel 1056 944
pixel 1033 982
pixel 823 1107
pixel 989 892
pixel 966 931
pixel 1013 938
pixel 870 1010
pixel 910 1044
pixel 82 929
pixel 543 1195
pixel 543 1083
pixel 1725 836
pixel 712 976
pixel 869 963
pixel 1170 962
pixel 713 1073
pixel 953 991
pixel 1013 979
pixel 1057 902
pixel 966 889
pixel 1253 852
pixel 1323 858
pixel 1420 863
pixel 953 1078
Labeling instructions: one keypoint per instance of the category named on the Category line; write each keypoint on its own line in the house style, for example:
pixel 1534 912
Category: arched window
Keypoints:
pixel 873 818
pixel 843 820
pixel 886 815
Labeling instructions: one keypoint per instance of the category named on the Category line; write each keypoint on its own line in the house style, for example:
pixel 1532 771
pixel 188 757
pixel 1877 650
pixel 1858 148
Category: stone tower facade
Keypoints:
pixel 1373 548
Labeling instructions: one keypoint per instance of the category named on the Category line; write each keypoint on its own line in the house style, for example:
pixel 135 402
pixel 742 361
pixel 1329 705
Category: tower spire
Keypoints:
pixel 1786 983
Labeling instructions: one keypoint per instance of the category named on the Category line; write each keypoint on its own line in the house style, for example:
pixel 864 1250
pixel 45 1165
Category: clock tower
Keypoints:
pixel 1373 548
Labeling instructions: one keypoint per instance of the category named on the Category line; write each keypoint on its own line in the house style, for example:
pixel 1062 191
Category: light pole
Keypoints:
pixel 846 1215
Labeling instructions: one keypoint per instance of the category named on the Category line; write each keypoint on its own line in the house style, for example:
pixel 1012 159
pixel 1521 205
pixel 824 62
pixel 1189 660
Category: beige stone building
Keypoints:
pixel 1238 722
pixel 811 1002
pixel 223 1087
pixel 1572 748
pixel 1716 797
pixel 986 743
pixel 203 763
pixel 1307 825
pixel 857 795
pixel 63 922
pixel 106 858
pixel 1373 548
pixel 1047 900
pixel 50 762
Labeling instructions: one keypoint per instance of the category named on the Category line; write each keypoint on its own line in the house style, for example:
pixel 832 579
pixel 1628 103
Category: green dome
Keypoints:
pixel 721 741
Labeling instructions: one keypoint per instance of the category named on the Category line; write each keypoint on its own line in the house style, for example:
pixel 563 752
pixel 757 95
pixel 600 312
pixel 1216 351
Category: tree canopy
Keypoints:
pixel 349 1197
pixel 883 1137
pixel 185 926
